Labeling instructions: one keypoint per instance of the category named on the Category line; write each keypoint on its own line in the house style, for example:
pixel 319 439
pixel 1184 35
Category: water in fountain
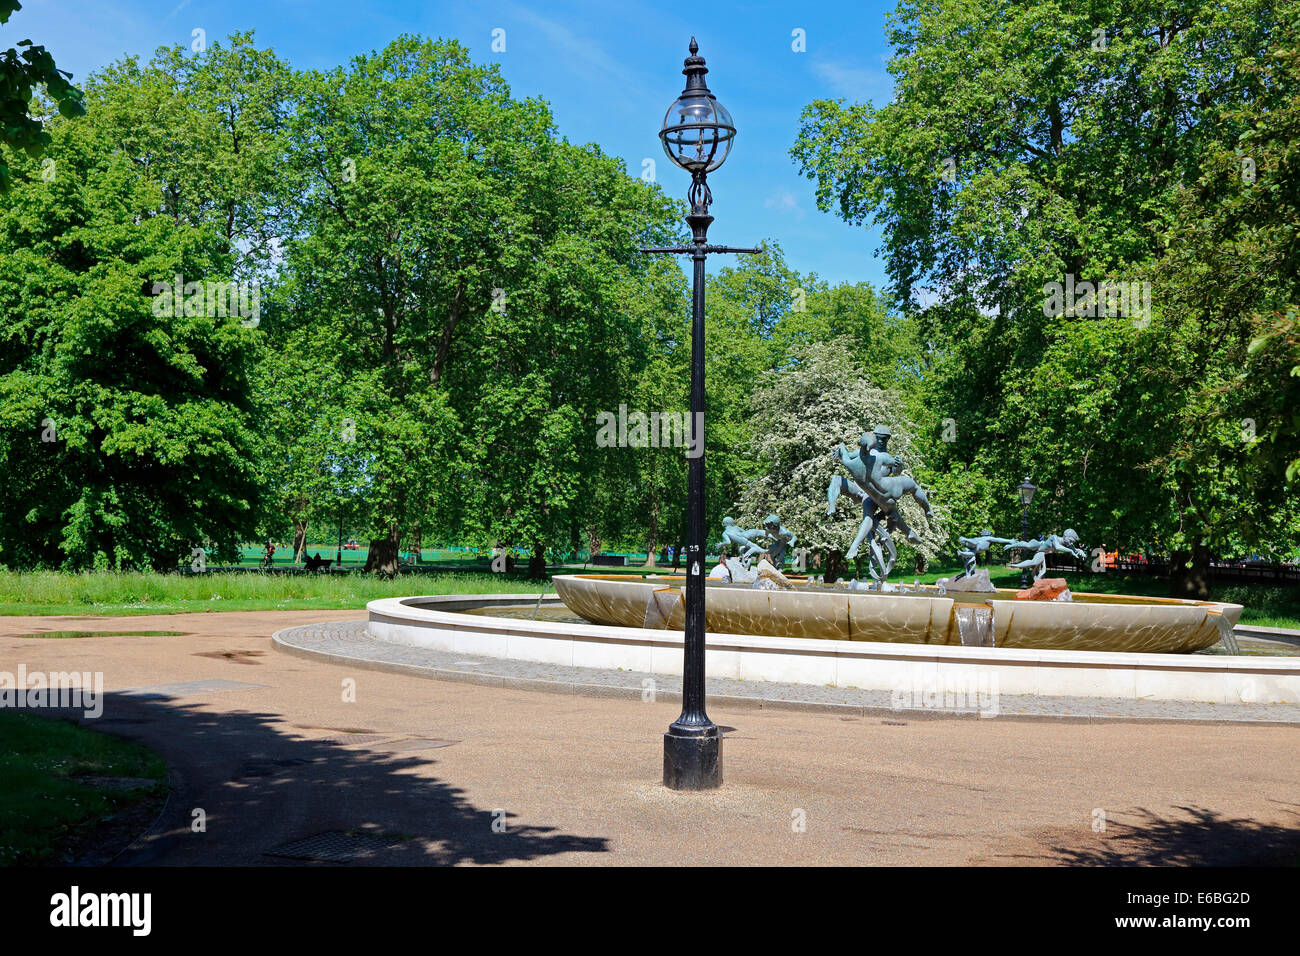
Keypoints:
pixel 659 607
pixel 1227 639
pixel 974 625
pixel 538 608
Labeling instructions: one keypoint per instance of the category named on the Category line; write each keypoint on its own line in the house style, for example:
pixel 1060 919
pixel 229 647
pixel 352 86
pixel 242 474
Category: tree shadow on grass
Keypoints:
pixel 1197 837
pixel 261 788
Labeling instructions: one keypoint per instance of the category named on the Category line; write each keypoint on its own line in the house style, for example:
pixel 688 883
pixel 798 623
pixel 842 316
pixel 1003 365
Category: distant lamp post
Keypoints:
pixel 697 134
pixel 1026 489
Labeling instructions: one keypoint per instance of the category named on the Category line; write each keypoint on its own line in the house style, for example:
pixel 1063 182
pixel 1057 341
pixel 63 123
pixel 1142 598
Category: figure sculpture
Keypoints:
pixel 739 541
pixel 975 546
pixel 782 539
pixel 878 482
pixel 1052 544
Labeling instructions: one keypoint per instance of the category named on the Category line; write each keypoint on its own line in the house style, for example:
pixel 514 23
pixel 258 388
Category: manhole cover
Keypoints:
pixel 337 846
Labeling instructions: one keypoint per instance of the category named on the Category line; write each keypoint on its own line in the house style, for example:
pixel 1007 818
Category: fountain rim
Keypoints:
pixel 407 611
pixel 999 594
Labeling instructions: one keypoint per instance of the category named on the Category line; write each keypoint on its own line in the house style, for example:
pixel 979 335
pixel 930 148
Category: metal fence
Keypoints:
pixel 1240 571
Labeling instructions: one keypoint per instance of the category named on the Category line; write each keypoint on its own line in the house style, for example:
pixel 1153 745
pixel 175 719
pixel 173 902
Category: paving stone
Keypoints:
pixel 187 687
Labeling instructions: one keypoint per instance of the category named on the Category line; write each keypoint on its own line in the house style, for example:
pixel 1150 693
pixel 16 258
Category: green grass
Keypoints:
pixel 109 593
pixel 44 796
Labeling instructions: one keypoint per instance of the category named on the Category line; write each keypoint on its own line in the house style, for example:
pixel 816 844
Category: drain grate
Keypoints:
pixel 337 846
pixel 349 738
pixel 416 743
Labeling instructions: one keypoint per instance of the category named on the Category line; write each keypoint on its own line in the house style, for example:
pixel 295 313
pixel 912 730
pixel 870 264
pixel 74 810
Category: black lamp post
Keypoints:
pixel 1026 489
pixel 696 135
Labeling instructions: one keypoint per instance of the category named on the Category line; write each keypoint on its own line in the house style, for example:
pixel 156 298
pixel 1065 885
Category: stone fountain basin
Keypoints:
pixel 1090 622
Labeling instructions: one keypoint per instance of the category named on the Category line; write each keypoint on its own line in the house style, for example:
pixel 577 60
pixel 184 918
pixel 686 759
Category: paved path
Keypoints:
pixel 348 642
pixel 291 759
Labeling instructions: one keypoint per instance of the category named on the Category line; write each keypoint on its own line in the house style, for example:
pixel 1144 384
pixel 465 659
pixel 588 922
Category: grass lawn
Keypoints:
pixel 59 783
pixel 107 593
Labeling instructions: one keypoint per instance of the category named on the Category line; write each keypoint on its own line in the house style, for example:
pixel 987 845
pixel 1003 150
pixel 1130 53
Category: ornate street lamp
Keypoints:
pixel 697 134
pixel 1026 489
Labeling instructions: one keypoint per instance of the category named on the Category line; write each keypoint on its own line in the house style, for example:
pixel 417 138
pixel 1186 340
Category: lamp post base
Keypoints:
pixel 692 763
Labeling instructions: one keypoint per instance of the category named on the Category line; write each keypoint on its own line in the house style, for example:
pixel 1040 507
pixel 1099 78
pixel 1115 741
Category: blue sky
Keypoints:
pixel 608 69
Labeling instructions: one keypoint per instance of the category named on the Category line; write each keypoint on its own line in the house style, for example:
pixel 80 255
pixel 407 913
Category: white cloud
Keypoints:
pixel 784 201
pixel 850 81
pixel 581 53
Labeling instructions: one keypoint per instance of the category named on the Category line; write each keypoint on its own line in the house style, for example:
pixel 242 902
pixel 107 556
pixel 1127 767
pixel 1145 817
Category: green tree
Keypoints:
pixel 1031 142
pixel 822 399
pixel 469 273
pixel 20 73
pixel 128 428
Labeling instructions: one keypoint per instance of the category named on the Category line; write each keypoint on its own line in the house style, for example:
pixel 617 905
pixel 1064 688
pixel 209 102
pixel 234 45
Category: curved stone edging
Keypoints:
pixel 868 666
pixel 348 643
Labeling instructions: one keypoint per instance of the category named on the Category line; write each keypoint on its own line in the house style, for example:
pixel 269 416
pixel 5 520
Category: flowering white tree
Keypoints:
pixel 821 400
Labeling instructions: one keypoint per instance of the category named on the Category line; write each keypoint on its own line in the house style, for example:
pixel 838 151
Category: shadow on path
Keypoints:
pixel 259 788
pixel 1199 837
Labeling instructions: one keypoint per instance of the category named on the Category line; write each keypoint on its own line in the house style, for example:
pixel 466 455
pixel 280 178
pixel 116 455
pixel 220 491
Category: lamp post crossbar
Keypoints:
pixel 706 250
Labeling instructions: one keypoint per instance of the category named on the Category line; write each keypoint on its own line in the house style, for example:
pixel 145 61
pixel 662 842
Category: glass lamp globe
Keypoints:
pixel 697 130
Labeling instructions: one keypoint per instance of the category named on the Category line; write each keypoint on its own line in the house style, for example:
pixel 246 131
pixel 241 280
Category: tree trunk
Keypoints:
pixel 677 556
pixel 652 539
pixel 1189 572
pixel 384 552
pixel 418 543
pixel 835 566
pixel 537 562
pixel 299 539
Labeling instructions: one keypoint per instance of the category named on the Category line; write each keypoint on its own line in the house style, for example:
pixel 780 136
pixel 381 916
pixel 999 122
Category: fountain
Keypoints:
pixel 766 625
pixel 1088 622
pixel 964 611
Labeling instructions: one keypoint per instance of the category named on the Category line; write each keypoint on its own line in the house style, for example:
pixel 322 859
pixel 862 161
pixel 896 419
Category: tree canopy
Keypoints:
pixel 239 299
